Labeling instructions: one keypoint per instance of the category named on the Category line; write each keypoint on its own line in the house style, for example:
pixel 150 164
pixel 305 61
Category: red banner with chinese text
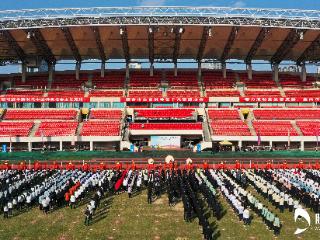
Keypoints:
pixel 44 99
pixel 164 99
pixel 279 99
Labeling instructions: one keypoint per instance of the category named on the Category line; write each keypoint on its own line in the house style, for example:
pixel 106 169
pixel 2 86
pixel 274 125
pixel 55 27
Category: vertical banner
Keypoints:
pixel 4 148
pixel 317 137
pixel 131 148
pixel 199 147
pixel 10 150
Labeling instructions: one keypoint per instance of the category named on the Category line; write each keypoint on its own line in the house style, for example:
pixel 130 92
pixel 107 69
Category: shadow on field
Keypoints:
pixel 101 212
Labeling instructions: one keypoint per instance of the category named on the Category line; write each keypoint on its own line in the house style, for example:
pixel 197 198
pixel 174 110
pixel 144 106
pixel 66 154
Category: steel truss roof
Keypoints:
pixel 150 33
pixel 290 18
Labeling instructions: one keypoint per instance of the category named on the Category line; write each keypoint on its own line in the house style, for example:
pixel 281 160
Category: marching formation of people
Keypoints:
pixel 249 192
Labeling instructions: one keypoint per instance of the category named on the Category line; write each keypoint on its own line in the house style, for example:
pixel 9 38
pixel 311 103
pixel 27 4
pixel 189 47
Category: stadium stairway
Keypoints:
pixel 249 123
pixel 241 92
pixel 201 86
pixel 295 126
pixel 206 131
pixel 239 89
pixel 79 128
pixel 282 93
pixel 206 127
pixel 125 134
pixel 240 114
pixel 126 86
pixel 34 129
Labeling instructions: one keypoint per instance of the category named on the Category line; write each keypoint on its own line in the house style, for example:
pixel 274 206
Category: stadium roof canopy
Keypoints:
pixel 160 33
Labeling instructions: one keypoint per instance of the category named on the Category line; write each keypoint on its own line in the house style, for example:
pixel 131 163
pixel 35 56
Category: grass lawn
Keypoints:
pixel 119 217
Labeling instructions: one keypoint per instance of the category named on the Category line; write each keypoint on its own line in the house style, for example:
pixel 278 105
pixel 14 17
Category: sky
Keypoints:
pixel 23 4
pixel 29 4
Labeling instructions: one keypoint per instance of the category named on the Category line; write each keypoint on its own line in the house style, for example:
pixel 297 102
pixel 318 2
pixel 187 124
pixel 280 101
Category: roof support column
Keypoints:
pixel 78 67
pixel 249 69
pixel 103 67
pixel 91 145
pixel 303 74
pixel 23 72
pixel 50 72
pixel 275 69
pixel 199 70
pixel 151 69
pixel 127 71
pixel 302 146
pixel 175 69
pixel 224 70
pixel 29 146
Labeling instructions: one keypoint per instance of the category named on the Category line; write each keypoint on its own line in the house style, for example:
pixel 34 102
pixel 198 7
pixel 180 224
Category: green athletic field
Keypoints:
pixel 121 218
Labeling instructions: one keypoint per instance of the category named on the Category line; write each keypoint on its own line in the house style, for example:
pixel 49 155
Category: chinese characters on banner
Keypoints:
pixel 44 99
pixel 279 99
pixel 164 99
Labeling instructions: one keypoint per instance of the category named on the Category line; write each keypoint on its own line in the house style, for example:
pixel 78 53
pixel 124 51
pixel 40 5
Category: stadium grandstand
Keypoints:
pixel 115 109
pixel 212 107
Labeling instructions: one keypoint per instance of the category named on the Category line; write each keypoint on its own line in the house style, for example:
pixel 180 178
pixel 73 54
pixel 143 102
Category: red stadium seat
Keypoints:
pixel 286 114
pixel 230 128
pixel 259 80
pixel 109 93
pixel 15 129
pixel 274 128
pixel 309 128
pixel 101 128
pixel 224 114
pixel 145 93
pixel 13 114
pixel 105 114
pixel 111 80
pixel 48 129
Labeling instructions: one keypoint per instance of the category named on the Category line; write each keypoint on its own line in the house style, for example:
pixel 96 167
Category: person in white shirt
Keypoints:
pixel 44 205
pixel 246 216
pixel 72 202
pixel 5 211
pixel 28 200
pixel 10 206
